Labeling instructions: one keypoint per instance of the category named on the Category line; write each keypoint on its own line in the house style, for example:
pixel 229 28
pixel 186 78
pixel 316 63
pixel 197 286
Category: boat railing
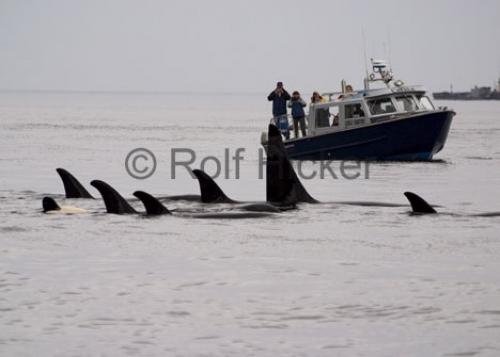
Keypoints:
pixel 333 96
pixel 287 126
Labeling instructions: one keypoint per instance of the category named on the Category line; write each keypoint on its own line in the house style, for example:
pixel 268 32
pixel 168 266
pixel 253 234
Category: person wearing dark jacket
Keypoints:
pixel 299 116
pixel 279 97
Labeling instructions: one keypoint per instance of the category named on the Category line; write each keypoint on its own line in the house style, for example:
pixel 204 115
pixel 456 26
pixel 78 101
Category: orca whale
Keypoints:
pixel 49 205
pixel 282 183
pixel 113 201
pixel 418 204
pixel 72 187
pixel 283 187
pixel 152 205
pixel 210 191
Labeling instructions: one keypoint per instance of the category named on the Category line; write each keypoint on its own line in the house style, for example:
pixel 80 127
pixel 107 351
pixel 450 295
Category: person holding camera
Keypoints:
pixel 299 116
pixel 279 97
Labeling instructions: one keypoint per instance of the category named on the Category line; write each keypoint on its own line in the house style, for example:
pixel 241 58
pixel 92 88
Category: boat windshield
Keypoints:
pixel 425 102
pixel 381 106
pixel 407 103
pixel 354 111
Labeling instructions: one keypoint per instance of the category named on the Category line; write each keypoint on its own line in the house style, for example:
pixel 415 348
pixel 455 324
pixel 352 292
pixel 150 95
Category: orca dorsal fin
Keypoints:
pixel 151 204
pixel 210 191
pixel 283 187
pixel 418 204
pixel 49 204
pixel 114 202
pixel 72 187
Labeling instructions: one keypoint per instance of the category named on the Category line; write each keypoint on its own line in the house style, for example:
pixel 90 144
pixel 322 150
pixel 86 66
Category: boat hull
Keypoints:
pixel 415 138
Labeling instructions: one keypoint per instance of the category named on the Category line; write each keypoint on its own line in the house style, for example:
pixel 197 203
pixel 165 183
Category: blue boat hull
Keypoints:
pixel 415 138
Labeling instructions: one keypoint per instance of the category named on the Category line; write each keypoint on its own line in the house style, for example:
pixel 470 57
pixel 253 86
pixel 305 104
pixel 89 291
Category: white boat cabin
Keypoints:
pixel 355 109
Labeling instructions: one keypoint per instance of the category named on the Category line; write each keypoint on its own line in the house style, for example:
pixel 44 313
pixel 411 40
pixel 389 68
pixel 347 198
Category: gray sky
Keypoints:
pixel 236 46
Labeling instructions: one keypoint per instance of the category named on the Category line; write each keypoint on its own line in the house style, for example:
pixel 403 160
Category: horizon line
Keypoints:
pixel 98 91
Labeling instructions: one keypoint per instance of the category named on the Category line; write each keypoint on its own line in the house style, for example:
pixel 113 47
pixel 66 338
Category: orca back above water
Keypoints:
pixel 50 205
pixel 72 187
pixel 488 214
pixel 263 207
pixel 232 215
pixel 113 201
pixel 283 187
pixel 418 204
pixel 212 193
pixel 188 198
pixel 369 204
pixel 154 207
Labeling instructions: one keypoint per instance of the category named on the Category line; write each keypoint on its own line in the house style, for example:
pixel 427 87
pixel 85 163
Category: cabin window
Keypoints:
pixel 407 103
pixel 425 102
pixel 381 106
pixel 354 111
pixel 322 118
pixel 334 113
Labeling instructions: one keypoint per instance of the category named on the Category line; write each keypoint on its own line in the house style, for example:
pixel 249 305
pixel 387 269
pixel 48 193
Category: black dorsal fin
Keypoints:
pixel 49 204
pixel 210 191
pixel 151 204
pixel 418 204
pixel 114 202
pixel 283 187
pixel 72 187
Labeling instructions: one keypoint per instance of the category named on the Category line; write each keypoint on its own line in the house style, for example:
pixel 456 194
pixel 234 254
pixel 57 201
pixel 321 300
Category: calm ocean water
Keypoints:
pixel 325 280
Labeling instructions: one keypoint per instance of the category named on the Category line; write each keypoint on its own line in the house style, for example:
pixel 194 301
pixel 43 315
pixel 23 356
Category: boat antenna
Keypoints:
pixel 389 50
pixel 366 80
pixel 364 50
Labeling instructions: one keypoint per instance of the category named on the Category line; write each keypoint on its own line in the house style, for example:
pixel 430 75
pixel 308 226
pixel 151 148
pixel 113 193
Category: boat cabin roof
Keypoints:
pixel 372 93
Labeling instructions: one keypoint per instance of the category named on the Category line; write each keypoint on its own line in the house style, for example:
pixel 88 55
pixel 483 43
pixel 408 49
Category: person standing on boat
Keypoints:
pixel 279 97
pixel 316 98
pixel 299 116
pixel 323 115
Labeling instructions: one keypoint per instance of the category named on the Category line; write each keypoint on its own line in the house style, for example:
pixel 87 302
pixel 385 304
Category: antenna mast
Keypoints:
pixel 390 48
pixel 366 81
